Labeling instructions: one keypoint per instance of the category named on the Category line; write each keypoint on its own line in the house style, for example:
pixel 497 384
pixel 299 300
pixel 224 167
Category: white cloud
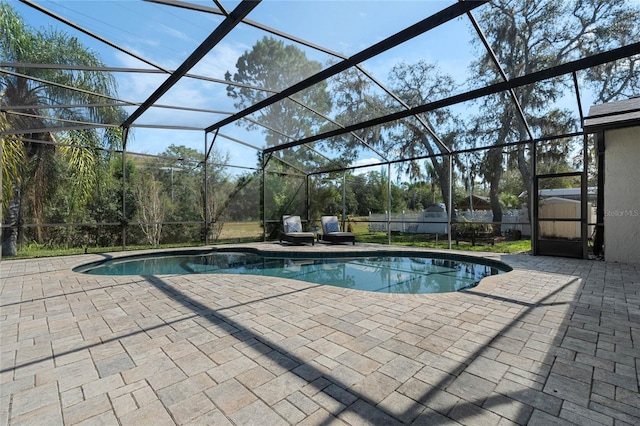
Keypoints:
pixel 188 92
pixel 220 60
pixel 364 162
pixel 175 34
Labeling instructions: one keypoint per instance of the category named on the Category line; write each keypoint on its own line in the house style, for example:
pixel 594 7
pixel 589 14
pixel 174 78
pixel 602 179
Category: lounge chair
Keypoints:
pixel 293 233
pixel 331 231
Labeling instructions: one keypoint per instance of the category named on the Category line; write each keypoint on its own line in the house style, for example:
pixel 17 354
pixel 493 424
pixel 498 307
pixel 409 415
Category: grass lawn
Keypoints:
pixel 419 240
pixel 242 230
pixel 361 229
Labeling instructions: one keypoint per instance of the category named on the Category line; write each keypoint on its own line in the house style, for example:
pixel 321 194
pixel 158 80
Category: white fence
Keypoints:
pixel 434 222
pixel 512 220
pixel 411 223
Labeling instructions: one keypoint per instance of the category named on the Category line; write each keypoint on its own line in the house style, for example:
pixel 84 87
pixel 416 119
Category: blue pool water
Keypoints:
pixel 385 273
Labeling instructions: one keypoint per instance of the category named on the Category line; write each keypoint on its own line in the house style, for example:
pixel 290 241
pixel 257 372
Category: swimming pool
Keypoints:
pixel 386 272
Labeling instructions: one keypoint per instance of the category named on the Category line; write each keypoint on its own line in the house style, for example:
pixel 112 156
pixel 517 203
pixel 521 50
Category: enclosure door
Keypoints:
pixel 560 218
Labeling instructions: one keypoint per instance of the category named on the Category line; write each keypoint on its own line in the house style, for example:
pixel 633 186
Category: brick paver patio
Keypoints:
pixel 556 341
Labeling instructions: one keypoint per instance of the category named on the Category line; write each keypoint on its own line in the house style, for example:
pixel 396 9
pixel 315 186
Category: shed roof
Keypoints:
pixel 613 115
pixel 478 202
pixel 558 200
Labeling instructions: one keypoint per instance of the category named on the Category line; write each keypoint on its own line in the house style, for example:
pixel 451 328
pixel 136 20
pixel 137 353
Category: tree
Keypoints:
pixel 326 195
pixel 354 100
pixel 528 36
pixel 105 205
pixel 180 169
pixel 30 171
pixel 152 206
pixel 373 194
pixel 271 66
pixel 224 196
pixel 419 84
pixel 245 204
pixel 419 194
pixel 284 192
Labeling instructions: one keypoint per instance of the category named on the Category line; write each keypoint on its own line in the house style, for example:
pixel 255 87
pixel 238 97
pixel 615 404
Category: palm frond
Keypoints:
pixel 13 158
pixel 82 166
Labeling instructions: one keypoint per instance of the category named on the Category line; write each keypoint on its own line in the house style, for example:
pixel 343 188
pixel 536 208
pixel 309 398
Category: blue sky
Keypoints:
pixel 166 35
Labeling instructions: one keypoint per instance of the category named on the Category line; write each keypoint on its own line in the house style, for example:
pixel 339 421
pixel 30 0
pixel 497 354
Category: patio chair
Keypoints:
pixel 331 231
pixel 292 231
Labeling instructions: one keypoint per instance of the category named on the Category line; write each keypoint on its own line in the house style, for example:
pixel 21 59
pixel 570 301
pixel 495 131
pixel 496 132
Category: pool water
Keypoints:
pixel 384 274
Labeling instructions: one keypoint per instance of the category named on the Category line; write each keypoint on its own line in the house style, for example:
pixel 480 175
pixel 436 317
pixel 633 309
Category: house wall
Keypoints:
pixel 622 195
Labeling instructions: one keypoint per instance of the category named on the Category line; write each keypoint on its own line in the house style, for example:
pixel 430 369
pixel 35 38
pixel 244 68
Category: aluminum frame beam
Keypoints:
pixel 566 68
pixel 314 46
pixel 503 74
pixel 89 33
pixel 408 33
pixel 234 18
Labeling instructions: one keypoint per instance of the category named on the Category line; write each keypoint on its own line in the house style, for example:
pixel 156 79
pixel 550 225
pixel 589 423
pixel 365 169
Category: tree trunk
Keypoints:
pixel 525 171
pixel 10 235
pixel 442 169
pixel 495 164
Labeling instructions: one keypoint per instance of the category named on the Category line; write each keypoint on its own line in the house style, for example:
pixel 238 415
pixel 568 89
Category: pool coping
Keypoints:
pixel 277 252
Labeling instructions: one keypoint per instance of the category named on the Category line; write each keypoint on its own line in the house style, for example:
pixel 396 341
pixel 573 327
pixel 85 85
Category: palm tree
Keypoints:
pixel 32 98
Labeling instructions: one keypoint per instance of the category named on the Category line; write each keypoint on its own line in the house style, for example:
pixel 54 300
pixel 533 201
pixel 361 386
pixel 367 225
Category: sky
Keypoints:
pixel 165 36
